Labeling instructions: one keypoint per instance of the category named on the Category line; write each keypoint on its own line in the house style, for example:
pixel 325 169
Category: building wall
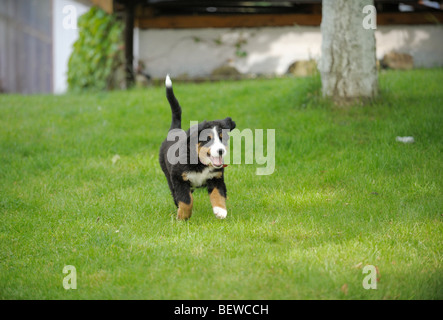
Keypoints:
pixel 65 33
pixel 196 52
pixel 424 43
pixel 25 46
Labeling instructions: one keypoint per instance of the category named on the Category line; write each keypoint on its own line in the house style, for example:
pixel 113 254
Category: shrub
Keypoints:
pixel 98 52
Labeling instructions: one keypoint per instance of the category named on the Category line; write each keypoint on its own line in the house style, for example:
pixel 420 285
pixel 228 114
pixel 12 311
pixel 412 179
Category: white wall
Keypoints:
pixel 424 43
pixel 65 33
pixel 196 52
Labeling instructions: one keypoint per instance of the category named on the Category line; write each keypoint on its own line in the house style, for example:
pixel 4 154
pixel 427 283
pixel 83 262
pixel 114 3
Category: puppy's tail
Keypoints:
pixel 176 122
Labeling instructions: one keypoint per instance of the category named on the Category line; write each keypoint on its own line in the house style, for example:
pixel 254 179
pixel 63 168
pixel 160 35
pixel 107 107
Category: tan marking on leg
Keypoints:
pixel 184 211
pixel 217 200
pixel 185 176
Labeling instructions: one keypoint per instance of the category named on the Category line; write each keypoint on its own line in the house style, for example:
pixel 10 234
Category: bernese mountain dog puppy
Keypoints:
pixel 195 160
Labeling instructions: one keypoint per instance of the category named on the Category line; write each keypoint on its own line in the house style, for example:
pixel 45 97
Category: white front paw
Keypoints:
pixel 220 213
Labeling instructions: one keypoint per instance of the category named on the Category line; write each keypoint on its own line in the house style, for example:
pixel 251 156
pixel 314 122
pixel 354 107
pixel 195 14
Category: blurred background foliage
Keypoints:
pixel 97 60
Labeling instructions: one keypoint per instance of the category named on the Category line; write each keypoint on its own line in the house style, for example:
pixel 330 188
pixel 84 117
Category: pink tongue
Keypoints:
pixel 217 161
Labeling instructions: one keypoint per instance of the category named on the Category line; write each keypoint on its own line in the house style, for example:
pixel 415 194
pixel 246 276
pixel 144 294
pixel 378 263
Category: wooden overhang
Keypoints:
pixel 174 14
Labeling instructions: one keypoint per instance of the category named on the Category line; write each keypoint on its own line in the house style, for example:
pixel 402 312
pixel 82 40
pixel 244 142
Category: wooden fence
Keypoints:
pixel 26 46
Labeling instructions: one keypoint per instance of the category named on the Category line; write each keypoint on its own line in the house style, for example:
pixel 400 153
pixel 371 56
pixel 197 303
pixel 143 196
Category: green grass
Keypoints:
pixel 344 194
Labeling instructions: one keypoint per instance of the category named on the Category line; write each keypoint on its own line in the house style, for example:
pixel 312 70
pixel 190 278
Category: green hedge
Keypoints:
pixel 97 53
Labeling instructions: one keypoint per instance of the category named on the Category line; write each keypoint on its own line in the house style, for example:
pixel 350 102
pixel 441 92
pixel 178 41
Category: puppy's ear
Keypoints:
pixel 201 126
pixel 228 123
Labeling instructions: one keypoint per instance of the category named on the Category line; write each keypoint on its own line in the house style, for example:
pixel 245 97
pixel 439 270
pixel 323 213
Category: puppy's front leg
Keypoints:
pixel 217 195
pixel 183 198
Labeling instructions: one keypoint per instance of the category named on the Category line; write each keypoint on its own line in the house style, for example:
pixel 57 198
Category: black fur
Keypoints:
pixel 180 187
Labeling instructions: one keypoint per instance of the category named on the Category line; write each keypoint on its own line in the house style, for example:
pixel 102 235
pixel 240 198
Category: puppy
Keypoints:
pixel 195 161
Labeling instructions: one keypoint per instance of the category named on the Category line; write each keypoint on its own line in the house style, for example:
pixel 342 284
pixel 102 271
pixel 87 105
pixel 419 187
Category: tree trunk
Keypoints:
pixel 348 63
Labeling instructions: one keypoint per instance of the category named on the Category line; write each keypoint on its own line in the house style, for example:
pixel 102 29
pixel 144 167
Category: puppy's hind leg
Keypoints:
pixel 171 187
pixel 167 175
pixel 184 211
pixel 183 198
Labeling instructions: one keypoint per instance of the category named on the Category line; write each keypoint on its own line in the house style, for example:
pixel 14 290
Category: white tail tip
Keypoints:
pixel 168 81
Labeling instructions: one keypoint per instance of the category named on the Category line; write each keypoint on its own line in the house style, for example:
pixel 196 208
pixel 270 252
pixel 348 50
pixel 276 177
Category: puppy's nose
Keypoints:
pixel 220 152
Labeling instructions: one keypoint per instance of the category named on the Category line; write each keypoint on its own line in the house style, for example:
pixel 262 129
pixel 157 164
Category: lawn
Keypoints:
pixel 344 194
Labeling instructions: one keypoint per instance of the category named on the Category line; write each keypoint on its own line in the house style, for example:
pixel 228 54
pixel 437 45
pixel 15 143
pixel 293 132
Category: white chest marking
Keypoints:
pixel 198 179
